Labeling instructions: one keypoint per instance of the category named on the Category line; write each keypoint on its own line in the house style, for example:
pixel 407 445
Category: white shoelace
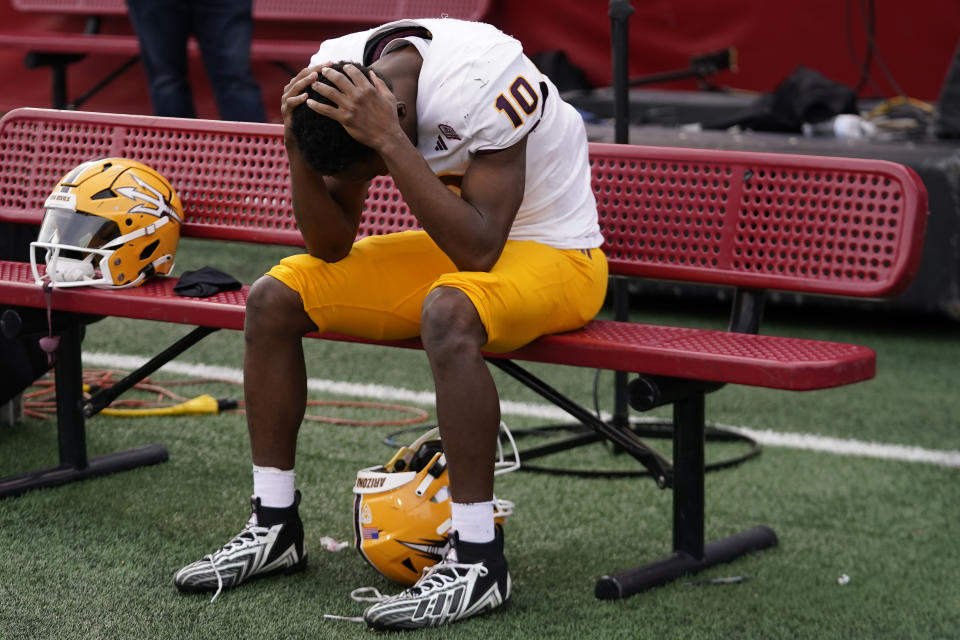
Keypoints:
pixel 436 578
pixel 359 595
pixel 216 570
pixel 236 542
pixel 375 596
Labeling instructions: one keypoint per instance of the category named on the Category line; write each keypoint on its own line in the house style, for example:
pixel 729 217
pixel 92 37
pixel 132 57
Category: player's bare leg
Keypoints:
pixel 475 577
pixel 274 373
pixel 468 408
pixel 275 393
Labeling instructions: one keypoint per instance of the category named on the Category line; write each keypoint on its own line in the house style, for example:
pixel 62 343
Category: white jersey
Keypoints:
pixel 478 92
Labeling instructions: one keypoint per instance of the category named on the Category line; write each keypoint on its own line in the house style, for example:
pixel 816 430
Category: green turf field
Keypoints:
pixel 94 559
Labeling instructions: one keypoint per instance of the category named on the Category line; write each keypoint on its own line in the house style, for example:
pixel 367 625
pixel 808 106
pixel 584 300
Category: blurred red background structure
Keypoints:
pixel 915 42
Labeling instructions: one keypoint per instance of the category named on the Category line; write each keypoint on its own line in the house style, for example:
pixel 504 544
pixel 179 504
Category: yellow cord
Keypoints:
pixel 200 405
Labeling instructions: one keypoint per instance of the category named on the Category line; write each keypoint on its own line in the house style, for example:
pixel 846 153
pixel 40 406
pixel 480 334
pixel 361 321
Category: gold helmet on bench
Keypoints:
pixel 402 509
pixel 109 223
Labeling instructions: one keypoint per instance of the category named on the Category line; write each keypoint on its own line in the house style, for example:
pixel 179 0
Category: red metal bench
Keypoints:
pixel 751 221
pixel 59 49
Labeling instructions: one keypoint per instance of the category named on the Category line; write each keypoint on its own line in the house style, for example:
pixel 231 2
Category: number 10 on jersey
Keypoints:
pixel 523 96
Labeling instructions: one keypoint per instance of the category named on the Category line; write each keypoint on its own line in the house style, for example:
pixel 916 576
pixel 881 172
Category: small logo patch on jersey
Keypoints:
pixel 448 132
pixel 441 145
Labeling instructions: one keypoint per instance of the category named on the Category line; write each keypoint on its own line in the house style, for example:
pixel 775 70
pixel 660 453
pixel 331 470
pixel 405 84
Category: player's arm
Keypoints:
pixel 327 209
pixel 471 229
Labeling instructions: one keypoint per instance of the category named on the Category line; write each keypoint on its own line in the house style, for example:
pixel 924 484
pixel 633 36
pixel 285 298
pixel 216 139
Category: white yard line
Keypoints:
pixel 807 441
pixel 842 446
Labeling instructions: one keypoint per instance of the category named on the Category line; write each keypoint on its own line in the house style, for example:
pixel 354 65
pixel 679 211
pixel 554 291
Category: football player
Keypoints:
pixel 494 166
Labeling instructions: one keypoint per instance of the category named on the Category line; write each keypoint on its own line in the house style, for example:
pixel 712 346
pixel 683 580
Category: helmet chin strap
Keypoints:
pixel 145 273
pixel 49 343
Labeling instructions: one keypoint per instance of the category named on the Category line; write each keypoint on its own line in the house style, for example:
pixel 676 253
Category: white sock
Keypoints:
pixel 473 521
pixel 274 487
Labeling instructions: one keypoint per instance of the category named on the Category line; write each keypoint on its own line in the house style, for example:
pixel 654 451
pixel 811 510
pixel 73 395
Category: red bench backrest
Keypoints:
pixel 848 226
pixel 800 223
pixel 366 11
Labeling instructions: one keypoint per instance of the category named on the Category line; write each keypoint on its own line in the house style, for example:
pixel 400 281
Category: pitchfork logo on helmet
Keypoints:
pixel 109 223
pixel 402 509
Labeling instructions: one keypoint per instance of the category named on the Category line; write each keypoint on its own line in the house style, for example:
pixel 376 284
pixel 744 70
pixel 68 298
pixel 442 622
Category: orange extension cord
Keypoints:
pixel 41 402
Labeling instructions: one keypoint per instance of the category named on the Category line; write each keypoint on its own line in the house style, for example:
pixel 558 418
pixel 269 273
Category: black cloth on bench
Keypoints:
pixel 205 282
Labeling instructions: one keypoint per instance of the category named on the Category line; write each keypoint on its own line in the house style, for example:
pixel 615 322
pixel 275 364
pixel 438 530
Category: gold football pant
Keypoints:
pixel 377 291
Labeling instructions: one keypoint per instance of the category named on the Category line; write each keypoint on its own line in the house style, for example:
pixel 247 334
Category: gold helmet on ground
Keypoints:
pixel 402 509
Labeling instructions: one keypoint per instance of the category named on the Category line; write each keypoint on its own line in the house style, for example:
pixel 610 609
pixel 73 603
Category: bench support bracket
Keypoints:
pixel 660 468
pixel 72 412
pixel 59 63
pixel 104 397
pixel 71 431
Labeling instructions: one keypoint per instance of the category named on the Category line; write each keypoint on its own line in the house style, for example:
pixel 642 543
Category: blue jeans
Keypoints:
pixel 223 29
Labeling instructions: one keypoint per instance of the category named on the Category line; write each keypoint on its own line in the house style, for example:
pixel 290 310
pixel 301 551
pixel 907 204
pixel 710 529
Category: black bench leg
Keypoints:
pixel 71 432
pixel 71 427
pixel 688 472
pixel 690 555
pixel 58 63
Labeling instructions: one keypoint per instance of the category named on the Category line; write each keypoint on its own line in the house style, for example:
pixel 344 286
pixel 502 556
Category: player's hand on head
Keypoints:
pixel 365 106
pixel 295 92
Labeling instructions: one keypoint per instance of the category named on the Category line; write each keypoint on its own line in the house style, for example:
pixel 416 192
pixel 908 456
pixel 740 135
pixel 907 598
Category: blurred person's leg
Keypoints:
pixel 162 27
pixel 224 30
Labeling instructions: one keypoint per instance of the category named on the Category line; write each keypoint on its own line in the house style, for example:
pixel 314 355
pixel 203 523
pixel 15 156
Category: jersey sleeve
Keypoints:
pixel 504 95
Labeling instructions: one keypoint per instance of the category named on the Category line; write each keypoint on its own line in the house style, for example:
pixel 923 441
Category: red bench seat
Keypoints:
pixel 717 356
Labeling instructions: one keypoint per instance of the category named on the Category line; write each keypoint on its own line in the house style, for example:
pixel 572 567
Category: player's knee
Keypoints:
pixel 449 322
pixel 275 308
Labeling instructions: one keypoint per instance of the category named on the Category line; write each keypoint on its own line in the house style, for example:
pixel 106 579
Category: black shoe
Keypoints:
pixel 273 545
pixel 471 580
